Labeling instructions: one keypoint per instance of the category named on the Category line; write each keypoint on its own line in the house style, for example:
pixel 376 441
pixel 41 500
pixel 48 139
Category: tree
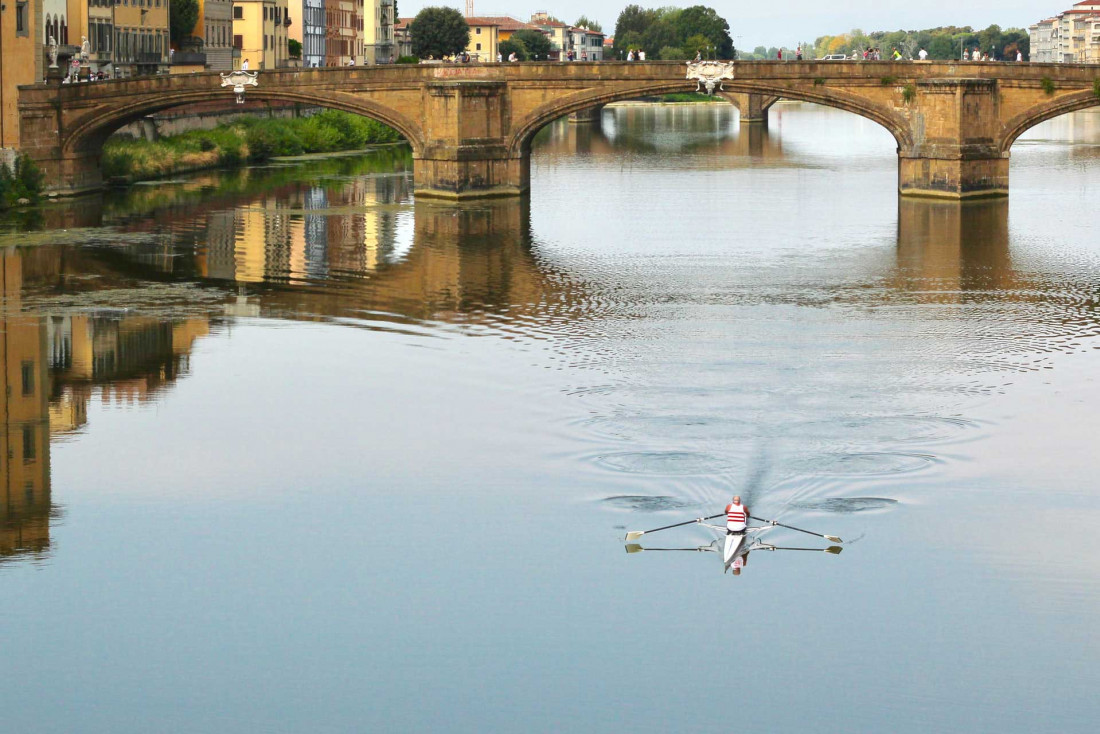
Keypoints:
pixel 671 53
pixel 660 34
pixel 514 46
pixel 438 32
pixel 294 48
pixel 634 18
pixel 699 19
pixel 183 15
pixel 584 22
pixel 537 44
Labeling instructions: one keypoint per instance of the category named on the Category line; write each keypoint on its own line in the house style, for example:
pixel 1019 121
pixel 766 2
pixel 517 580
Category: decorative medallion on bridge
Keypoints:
pixel 709 74
pixel 239 80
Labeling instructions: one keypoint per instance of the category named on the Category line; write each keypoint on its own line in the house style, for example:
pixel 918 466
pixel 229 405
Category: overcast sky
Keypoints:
pixel 792 21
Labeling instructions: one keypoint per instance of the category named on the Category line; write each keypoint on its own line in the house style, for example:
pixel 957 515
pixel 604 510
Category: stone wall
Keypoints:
pixel 165 124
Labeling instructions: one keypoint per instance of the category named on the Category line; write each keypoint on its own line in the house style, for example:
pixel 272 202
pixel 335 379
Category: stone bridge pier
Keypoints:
pixel 753 107
pixel 954 149
pixel 466 151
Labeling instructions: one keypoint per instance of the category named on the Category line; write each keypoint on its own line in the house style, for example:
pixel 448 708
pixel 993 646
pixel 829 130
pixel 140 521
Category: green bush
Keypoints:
pixel 24 181
pixel 261 144
pixel 408 60
pixel 1047 84
pixel 29 179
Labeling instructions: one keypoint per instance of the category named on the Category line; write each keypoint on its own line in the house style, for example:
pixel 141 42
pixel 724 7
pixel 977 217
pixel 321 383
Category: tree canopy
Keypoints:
pixel 438 32
pixel 664 31
pixel 536 44
pixel 942 44
pixel 584 22
pixel 183 15
pixel 514 46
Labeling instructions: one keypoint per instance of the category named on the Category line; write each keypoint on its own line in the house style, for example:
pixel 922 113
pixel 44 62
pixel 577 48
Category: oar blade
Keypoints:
pixel 634 548
pixel 635 534
pixel 834 550
pixel 833 539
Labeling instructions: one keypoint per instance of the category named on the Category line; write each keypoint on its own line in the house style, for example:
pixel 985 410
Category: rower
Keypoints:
pixel 737 516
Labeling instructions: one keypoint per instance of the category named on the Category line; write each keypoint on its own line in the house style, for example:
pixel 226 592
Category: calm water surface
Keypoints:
pixel 286 450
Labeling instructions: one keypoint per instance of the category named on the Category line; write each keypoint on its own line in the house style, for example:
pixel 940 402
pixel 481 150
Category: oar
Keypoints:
pixel 635 534
pixel 833 538
pixel 635 548
pixel 832 549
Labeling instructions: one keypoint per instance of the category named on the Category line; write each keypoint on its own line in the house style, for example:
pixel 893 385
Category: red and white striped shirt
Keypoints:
pixel 736 517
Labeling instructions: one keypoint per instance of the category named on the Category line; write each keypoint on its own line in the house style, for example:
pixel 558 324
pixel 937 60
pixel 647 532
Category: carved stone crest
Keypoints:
pixel 709 74
pixel 239 80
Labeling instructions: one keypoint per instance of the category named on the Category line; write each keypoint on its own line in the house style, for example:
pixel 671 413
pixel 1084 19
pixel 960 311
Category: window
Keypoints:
pixel 479 31
pixel 238 13
pixel 30 450
pixel 28 378
pixel 238 42
pixel 479 47
pixel 21 25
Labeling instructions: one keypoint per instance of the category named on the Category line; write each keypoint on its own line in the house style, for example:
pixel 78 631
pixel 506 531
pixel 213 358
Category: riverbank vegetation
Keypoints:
pixel 21 184
pixel 945 43
pixel 243 141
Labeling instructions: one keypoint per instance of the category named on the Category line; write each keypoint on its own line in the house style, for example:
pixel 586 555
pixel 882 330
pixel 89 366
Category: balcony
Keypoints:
pixel 189 58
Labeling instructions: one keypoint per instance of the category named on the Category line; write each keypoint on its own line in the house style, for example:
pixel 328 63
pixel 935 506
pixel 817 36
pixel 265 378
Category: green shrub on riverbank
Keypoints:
pixel 23 182
pixel 253 140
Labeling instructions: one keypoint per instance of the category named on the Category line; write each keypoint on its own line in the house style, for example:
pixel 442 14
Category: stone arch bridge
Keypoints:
pixel 470 126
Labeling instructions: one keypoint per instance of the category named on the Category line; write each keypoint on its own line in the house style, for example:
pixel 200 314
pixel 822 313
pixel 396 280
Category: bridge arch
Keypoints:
pixel 1063 105
pixel 519 142
pixel 88 134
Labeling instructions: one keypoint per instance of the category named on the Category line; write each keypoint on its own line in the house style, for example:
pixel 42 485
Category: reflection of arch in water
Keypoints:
pixel 722 141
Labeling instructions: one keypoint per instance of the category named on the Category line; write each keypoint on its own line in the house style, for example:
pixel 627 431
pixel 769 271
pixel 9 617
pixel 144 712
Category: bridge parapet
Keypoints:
pixel 470 126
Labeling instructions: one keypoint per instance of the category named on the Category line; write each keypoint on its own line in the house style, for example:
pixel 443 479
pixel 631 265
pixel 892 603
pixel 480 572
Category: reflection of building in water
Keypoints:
pixel 24 434
pixel 296 234
pixel 52 364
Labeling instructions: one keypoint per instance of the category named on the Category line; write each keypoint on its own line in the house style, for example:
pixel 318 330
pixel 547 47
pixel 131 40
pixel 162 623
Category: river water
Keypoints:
pixel 286 450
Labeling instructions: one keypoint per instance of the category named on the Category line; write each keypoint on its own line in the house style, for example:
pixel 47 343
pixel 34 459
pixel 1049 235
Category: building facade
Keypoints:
pixel 378 21
pixel 402 39
pixel 1068 38
pixel 343 32
pixel 484 39
pixel 260 33
pixel 215 27
pixel 141 44
pixel 587 45
pixel 312 27
pixel 21 60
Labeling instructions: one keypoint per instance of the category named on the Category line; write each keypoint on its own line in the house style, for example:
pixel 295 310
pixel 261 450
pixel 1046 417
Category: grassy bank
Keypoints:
pixel 690 97
pixel 244 141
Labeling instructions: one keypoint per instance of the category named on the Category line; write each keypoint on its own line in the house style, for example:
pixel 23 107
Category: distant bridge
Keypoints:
pixel 470 126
